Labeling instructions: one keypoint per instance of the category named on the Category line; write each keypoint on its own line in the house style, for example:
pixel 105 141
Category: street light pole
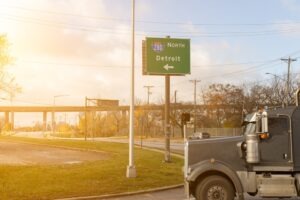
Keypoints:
pixel 131 171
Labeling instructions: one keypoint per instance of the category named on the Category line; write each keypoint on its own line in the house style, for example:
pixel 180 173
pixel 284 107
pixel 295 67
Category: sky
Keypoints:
pixel 80 48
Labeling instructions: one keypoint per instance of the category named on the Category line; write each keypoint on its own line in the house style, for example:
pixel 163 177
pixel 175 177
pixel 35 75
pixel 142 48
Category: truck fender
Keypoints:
pixel 297 177
pixel 218 166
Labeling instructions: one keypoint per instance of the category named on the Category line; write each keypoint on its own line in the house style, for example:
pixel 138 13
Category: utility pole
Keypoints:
pixel 288 61
pixel 195 81
pixel 148 92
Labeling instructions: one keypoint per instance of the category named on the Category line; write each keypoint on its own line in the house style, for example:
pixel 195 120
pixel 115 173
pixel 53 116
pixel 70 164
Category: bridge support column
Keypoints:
pixel 6 121
pixel 44 121
pixel 53 122
pixel 12 121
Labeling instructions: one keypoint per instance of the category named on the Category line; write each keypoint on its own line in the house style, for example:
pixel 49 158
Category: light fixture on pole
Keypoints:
pixel 276 76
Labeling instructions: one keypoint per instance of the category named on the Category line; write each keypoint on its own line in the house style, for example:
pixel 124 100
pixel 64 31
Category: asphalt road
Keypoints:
pixel 173 194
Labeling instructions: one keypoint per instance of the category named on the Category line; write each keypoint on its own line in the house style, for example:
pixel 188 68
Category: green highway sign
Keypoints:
pixel 166 56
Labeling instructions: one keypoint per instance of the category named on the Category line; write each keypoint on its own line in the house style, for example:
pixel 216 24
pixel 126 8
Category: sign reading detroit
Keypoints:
pixel 166 56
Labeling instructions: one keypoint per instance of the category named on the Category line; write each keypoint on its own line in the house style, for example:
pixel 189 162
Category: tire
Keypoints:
pixel 214 188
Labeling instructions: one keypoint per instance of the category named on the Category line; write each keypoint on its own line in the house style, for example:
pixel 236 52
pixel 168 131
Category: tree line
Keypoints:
pixel 221 106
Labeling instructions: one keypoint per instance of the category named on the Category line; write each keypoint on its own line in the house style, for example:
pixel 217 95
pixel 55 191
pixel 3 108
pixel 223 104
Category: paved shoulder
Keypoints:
pixel 173 194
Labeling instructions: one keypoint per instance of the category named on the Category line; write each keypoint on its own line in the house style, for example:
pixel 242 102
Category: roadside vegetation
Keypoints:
pixel 89 178
pixel 220 106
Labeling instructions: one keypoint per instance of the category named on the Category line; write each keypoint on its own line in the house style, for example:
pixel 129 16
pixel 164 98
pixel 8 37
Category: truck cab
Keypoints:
pixel 263 161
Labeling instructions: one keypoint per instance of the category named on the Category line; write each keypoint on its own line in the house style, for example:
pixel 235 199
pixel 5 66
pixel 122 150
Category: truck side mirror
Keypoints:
pixel 264 122
pixel 262 128
pixel 298 97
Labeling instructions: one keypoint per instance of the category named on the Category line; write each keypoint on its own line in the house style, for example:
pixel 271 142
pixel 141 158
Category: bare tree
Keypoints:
pixel 7 81
pixel 224 103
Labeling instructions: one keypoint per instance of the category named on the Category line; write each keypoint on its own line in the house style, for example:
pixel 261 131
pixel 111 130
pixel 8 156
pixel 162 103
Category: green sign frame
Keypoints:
pixel 166 56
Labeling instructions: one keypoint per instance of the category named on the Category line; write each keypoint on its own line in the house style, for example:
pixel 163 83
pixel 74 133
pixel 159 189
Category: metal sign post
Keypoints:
pixel 167 119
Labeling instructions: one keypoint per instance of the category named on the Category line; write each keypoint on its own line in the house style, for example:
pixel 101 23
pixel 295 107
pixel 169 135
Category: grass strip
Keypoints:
pixel 89 178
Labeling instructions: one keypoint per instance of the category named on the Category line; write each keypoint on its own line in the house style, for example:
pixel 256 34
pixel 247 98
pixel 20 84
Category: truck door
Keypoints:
pixel 276 148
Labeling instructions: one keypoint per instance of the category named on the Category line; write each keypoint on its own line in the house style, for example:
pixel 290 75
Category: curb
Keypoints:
pixel 109 196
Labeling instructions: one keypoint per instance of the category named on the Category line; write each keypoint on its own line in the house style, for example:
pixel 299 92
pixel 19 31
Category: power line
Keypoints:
pixel 61 24
pixel 126 31
pixel 145 21
pixel 58 64
pixel 248 70
pixel 96 65
pixel 66 14
pixel 231 64
pixel 253 68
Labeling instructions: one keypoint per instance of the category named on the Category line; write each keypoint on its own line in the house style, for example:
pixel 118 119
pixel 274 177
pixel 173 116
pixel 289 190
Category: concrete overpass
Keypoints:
pixel 10 110
pixel 88 108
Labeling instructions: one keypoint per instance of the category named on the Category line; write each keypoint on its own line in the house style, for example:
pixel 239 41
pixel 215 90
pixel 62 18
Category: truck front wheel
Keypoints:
pixel 214 188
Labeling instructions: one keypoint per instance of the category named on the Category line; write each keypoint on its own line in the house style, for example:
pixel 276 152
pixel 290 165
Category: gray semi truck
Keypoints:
pixel 263 161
